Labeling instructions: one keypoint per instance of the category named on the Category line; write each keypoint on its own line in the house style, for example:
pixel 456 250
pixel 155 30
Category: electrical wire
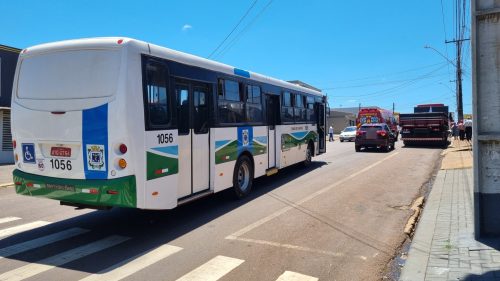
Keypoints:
pixel 234 28
pixel 243 31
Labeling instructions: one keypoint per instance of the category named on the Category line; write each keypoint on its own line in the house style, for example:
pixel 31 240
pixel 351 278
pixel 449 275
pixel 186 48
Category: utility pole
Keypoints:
pixel 393 106
pixel 460 108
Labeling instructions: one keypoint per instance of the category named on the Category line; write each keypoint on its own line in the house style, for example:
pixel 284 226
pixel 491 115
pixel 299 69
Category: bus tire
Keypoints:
pixel 309 155
pixel 357 148
pixel 243 176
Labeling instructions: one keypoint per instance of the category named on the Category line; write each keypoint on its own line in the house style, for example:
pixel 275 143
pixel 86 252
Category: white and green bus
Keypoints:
pixel 107 122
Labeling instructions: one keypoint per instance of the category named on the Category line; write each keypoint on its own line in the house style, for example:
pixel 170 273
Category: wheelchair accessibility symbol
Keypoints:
pixel 29 153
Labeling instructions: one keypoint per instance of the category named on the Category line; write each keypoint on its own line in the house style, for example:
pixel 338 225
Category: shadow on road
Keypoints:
pixel 147 229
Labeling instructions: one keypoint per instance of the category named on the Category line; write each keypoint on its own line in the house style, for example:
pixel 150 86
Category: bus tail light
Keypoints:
pixel 16 157
pixel 120 41
pixel 360 133
pixel 112 192
pixel 382 133
pixel 14 144
pixel 122 163
pixel 123 148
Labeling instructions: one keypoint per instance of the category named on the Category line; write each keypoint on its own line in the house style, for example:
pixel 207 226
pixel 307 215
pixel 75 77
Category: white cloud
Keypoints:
pixel 352 101
pixel 186 27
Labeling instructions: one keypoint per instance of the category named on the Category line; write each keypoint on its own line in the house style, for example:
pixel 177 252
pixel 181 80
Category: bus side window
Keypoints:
pixel 231 102
pixel 310 109
pixel 286 107
pixel 254 104
pixel 156 91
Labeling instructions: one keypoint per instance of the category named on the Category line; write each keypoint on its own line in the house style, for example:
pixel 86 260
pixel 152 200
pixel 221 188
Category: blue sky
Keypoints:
pixel 368 52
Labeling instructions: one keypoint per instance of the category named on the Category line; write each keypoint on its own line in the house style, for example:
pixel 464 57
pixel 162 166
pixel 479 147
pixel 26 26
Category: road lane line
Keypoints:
pixel 288 246
pixel 213 269
pixel 305 199
pixel 49 263
pixel 9 219
pixel 40 242
pixel 21 228
pixel 294 276
pixel 132 265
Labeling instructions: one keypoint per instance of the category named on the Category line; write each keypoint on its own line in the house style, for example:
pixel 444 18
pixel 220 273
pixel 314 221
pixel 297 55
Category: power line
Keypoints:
pixel 243 31
pixel 234 28
pixel 385 75
pixel 402 85
pixel 369 84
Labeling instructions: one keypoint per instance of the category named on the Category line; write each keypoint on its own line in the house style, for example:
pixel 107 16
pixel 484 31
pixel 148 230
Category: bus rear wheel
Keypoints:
pixel 243 176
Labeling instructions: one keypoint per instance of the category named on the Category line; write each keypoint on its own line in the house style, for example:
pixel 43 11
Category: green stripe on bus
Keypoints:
pixel 227 153
pixel 160 166
pixel 120 192
pixel 288 141
pixel 258 148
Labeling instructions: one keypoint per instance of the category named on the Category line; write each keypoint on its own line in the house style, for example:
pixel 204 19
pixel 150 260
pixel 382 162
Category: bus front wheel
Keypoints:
pixel 243 176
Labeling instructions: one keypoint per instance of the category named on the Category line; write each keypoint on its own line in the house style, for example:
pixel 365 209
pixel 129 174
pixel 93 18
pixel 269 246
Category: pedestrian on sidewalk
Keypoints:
pixel 468 129
pixel 330 133
pixel 454 130
pixel 461 130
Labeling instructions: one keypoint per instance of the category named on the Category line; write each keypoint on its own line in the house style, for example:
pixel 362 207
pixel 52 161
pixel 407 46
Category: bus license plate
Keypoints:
pixel 60 151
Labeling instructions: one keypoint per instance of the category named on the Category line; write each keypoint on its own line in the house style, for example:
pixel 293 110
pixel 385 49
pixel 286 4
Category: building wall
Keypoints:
pixel 8 61
pixel 6 154
pixel 340 120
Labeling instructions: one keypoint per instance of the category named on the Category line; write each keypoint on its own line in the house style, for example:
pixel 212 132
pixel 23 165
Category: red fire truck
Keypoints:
pixel 370 115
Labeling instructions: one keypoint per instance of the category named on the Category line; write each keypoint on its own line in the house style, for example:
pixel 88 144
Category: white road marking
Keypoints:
pixel 237 234
pixel 294 276
pixel 9 219
pixel 288 246
pixel 213 269
pixel 39 242
pixel 46 264
pixel 21 228
pixel 132 265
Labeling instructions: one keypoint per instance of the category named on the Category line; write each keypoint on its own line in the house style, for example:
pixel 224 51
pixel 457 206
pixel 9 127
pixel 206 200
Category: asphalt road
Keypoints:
pixel 340 219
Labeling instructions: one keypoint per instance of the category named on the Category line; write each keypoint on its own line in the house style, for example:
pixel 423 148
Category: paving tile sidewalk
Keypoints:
pixel 443 247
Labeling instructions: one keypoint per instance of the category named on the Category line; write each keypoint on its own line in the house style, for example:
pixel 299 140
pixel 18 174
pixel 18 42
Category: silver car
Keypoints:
pixel 348 134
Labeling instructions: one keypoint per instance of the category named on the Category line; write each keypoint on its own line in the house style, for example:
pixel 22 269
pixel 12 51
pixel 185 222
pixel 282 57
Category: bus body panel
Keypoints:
pixel 294 141
pixel 225 155
pixel 162 169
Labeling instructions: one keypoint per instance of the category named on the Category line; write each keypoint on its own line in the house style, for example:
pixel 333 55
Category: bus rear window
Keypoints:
pixel 62 75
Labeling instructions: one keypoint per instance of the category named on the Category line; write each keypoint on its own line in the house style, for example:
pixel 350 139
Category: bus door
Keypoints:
pixel 272 109
pixel 194 148
pixel 320 123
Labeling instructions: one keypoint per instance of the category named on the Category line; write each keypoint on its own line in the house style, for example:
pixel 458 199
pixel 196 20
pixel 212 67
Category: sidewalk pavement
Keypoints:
pixel 6 175
pixel 444 247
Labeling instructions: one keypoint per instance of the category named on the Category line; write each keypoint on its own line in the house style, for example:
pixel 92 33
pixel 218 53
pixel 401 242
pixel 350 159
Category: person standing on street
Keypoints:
pixel 330 133
pixel 454 131
pixel 461 130
pixel 468 129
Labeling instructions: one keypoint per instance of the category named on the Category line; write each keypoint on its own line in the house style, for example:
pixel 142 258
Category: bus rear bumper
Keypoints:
pixel 120 192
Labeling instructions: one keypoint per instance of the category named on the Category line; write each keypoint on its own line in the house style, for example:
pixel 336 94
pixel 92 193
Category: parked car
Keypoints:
pixel 376 135
pixel 348 134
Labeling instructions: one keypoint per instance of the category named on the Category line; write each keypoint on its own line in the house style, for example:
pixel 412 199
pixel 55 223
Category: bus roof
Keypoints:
pixel 155 50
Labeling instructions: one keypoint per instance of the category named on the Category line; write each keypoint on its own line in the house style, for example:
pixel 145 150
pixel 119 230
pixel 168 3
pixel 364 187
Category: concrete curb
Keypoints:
pixel 418 256
pixel 6 184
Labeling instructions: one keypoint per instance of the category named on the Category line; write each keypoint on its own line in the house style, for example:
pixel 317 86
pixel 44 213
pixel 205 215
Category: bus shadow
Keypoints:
pixel 146 229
